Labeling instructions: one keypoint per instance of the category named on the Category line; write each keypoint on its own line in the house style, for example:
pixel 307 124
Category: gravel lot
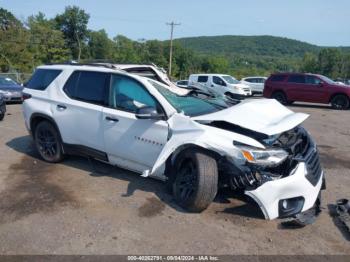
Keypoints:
pixel 82 207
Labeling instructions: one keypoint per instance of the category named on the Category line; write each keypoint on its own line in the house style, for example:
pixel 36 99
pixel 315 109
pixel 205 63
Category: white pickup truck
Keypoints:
pixel 218 84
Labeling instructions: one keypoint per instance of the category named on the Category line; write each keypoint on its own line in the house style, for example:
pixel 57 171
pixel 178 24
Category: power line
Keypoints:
pixel 172 25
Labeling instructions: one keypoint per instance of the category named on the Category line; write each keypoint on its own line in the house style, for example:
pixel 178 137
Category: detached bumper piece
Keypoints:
pixel 343 213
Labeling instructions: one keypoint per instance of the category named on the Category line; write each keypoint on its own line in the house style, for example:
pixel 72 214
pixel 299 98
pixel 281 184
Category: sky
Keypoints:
pixel 320 22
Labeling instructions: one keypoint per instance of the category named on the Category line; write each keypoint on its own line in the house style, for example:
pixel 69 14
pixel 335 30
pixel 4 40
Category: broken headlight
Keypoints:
pixel 266 157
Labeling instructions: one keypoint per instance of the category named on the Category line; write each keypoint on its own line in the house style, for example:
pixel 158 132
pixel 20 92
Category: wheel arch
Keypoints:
pixel 36 118
pixel 278 91
pixel 188 146
pixel 338 93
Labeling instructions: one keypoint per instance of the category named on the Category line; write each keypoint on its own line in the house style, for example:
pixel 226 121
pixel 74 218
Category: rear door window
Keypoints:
pixel 277 78
pixel 42 78
pixel 202 79
pixel 298 79
pixel 90 87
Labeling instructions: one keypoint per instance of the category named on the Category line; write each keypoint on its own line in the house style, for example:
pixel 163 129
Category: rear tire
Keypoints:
pixel 196 180
pixel 48 142
pixel 2 116
pixel 340 102
pixel 280 97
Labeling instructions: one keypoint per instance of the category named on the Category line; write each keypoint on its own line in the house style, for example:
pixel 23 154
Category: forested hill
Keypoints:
pixel 264 54
pixel 248 45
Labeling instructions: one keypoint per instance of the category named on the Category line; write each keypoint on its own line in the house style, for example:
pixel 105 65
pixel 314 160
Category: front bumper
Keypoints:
pixel 296 185
pixel 244 92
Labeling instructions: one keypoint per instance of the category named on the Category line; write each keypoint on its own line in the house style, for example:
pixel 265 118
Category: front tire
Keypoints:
pixel 2 116
pixel 48 142
pixel 340 102
pixel 196 182
pixel 280 97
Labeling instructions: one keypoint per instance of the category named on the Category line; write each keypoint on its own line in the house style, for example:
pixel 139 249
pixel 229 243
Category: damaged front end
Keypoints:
pixel 266 154
pixel 284 179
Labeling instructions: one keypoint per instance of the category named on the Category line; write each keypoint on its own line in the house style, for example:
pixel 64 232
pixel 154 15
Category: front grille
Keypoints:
pixel 313 166
pixel 302 149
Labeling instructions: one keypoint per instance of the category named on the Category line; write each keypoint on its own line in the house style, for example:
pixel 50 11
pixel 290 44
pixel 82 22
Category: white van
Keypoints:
pixel 219 85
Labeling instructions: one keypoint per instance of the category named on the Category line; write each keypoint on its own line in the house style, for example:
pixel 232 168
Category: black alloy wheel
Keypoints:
pixel 340 102
pixel 48 143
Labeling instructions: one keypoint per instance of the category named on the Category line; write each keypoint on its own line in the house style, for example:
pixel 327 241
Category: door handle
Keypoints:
pixel 112 119
pixel 61 107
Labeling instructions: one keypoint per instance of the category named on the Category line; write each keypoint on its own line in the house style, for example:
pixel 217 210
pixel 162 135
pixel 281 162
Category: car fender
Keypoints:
pixel 185 131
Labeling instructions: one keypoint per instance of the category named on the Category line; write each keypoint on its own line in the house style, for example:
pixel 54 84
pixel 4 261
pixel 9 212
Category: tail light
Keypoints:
pixel 26 96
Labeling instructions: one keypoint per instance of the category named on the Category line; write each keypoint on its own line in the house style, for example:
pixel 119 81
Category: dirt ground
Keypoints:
pixel 84 207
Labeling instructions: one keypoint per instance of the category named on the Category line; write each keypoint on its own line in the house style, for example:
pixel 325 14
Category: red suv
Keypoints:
pixel 289 87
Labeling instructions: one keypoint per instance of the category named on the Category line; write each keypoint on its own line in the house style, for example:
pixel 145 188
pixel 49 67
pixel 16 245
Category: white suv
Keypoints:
pixel 256 83
pixel 193 144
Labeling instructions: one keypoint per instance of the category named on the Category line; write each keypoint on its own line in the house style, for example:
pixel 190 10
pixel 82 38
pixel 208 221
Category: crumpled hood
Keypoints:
pixel 265 116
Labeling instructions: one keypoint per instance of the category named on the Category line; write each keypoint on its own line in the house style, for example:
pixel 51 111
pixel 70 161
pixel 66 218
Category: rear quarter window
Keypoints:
pixel 42 78
pixel 202 79
pixel 277 78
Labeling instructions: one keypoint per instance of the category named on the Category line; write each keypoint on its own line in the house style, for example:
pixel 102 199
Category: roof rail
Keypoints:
pixel 73 63
pixel 110 61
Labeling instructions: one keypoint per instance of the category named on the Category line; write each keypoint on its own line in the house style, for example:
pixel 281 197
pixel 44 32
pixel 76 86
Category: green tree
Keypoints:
pixel 345 66
pixel 46 43
pixel 309 63
pixel 99 45
pixel 215 64
pixel 14 39
pixel 8 20
pixel 329 62
pixel 156 54
pixel 124 50
pixel 73 24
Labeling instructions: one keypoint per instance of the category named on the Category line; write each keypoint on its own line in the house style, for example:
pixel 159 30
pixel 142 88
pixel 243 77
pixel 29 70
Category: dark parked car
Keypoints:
pixel 2 107
pixel 290 87
pixel 11 91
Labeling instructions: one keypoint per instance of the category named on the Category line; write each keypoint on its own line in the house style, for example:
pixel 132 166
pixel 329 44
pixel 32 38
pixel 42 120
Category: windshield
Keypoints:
pixel 327 80
pixel 7 81
pixel 190 105
pixel 230 79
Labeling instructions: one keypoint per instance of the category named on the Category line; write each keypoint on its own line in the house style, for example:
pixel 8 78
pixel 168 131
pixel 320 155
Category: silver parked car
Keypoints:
pixel 10 90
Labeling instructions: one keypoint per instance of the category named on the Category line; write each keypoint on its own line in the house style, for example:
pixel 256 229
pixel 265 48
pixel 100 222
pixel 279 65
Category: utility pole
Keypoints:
pixel 172 24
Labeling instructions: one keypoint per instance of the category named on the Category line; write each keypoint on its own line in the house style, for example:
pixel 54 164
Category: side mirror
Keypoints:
pixel 320 84
pixel 148 112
